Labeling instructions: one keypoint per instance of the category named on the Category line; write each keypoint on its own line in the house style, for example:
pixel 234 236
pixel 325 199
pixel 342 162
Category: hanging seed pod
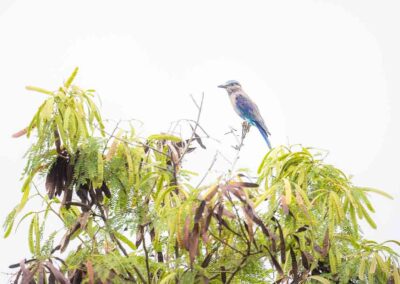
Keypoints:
pixel 57 141
pixel 69 174
pixel 93 196
pixel 51 181
pixel 67 198
pixel 77 277
pixel 106 190
pixel 99 196
pixel 61 174
pixel 82 192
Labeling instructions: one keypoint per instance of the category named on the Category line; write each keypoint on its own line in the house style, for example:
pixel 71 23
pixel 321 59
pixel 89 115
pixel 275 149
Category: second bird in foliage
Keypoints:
pixel 246 108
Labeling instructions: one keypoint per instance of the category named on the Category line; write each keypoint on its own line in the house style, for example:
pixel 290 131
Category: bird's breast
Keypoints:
pixel 233 98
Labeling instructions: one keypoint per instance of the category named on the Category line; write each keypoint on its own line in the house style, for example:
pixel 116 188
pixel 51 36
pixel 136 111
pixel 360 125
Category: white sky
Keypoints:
pixel 323 73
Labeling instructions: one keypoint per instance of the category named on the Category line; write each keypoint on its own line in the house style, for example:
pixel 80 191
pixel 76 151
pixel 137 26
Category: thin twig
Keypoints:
pixel 194 101
pixel 193 121
pixel 55 212
pixel 136 143
pixel 225 243
pixel 194 129
pixel 239 219
pixel 244 259
pixel 208 170
pixel 245 130
pixel 111 135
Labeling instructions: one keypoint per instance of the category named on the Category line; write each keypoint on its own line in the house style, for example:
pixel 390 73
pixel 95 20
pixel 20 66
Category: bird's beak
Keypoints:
pixel 222 86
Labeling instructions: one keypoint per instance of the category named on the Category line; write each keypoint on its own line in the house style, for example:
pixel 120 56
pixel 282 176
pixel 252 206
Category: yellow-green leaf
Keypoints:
pixel 396 276
pixel 130 164
pixel 100 168
pixel 368 189
pixel 125 240
pixel 382 264
pixel 331 218
pixel 30 236
pixel 47 109
pixel 9 228
pixel 71 78
pixel 332 261
pixel 367 217
pixel 37 234
pixel 372 267
pixel 67 115
pixel 26 188
pixel 169 278
pixel 303 195
pixel 164 137
pixel 338 205
pixel 361 269
pixel 288 191
pixel 353 218
pixel 40 90
pixel 320 279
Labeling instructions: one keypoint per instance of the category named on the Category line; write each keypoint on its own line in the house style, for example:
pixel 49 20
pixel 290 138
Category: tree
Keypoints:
pixel 130 213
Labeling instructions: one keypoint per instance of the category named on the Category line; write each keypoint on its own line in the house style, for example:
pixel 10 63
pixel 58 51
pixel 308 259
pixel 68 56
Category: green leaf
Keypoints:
pixel 331 218
pixel 71 78
pixel 125 240
pixel 37 234
pixel 382 264
pixel 67 115
pixel 372 267
pixel 30 236
pixel 338 205
pixel 164 137
pixel 288 191
pixel 332 261
pixel 391 241
pixel 396 275
pixel 26 188
pixel 40 90
pixel 353 218
pixel 320 279
pixel 169 278
pixel 8 229
pixel 367 217
pixel 361 269
pixel 47 110
pixel 100 167
pixel 380 192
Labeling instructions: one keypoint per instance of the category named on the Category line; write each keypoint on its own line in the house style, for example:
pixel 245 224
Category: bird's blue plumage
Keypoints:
pixel 264 134
pixel 249 112
pixel 246 108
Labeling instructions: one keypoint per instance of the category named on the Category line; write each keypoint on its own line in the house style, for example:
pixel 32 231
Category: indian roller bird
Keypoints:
pixel 246 108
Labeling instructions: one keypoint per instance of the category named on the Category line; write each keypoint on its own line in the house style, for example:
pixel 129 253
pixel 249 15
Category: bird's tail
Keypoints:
pixel 264 134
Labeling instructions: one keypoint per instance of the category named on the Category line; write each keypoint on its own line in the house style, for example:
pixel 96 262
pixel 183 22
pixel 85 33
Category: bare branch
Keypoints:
pixel 208 170
pixel 194 129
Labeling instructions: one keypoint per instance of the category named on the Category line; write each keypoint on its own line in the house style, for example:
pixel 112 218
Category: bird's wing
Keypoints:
pixel 249 110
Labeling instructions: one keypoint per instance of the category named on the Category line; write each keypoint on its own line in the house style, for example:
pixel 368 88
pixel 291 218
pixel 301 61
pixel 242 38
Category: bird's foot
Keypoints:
pixel 245 128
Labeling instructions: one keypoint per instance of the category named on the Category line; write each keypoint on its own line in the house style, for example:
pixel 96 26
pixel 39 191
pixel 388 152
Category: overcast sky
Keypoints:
pixel 323 73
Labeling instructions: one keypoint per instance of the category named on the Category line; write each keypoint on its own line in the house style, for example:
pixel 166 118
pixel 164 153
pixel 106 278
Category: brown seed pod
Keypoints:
pixel 106 190
pixel 99 195
pixel 50 182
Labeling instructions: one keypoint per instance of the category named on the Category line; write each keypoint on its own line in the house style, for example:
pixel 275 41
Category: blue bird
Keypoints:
pixel 246 108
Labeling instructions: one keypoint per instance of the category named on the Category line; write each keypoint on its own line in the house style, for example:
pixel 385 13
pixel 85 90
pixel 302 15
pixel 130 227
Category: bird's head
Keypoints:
pixel 231 86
